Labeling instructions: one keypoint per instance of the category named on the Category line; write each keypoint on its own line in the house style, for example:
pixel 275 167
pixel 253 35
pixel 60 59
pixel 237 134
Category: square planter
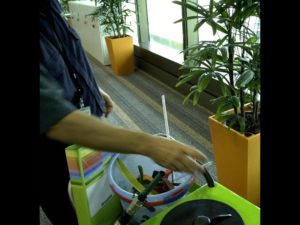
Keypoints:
pixel 237 160
pixel 121 54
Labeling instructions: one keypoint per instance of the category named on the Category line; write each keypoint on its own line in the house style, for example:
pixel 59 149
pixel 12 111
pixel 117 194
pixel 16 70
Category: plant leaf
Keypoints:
pixel 189 6
pixel 213 25
pixel 251 40
pixel 196 97
pixel 224 88
pixel 225 105
pixel 203 82
pixel 198 25
pixel 220 42
pixel 250 11
pixel 244 79
pixel 218 100
pixel 235 101
pixel 224 53
pixel 225 117
pixel 189 76
pixel 186 19
pixel 220 28
pixel 211 6
pixel 242 124
pixel 187 97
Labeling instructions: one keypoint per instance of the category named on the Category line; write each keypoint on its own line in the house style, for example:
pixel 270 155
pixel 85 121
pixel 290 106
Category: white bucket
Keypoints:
pixel 155 203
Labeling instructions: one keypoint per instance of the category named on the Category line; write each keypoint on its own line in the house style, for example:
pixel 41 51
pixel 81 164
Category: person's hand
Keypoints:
pixel 108 103
pixel 175 155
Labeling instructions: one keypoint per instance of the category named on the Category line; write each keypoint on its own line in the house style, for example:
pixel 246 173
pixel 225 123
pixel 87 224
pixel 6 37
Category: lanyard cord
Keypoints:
pixel 77 99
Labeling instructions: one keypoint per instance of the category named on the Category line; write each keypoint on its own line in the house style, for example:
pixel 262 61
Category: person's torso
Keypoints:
pixel 61 53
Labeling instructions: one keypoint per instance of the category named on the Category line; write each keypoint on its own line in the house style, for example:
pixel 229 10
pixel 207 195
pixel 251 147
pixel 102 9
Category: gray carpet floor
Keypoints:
pixel 138 106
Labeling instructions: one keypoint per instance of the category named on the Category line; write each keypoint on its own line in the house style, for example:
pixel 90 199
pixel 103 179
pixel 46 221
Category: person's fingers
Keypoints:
pixel 196 166
pixel 190 166
pixel 180 158
pixel 108 111
pixel 181 166
pixel 196 154
pixel 108 107
pixel 185 163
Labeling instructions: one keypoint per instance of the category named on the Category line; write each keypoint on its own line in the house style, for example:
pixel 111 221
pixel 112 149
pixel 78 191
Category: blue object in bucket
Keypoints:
pixel 154 203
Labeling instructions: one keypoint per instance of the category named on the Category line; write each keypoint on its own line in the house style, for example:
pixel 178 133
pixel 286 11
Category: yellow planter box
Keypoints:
pixel 121 54
pixel 237 160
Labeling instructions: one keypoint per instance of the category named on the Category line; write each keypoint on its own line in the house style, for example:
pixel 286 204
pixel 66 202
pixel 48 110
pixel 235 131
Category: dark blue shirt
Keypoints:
pixel 53 106
pixel 60 43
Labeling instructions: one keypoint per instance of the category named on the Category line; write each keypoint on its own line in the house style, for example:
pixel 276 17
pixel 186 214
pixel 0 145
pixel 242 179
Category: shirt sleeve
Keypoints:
pixel 53 106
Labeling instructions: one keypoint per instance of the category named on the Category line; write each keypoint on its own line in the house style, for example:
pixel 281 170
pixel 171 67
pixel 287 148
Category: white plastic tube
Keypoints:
pixel 165 116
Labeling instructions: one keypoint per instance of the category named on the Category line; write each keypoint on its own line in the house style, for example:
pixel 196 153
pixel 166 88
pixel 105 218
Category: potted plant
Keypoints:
pixel 112 15
pixel 66 11
pixel 234 60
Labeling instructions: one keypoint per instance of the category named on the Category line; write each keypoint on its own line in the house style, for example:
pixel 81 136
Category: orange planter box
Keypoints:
pixel 121 55
pixel 237 160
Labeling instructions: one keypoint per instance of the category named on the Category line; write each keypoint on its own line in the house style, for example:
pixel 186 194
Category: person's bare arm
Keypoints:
pixel 89 131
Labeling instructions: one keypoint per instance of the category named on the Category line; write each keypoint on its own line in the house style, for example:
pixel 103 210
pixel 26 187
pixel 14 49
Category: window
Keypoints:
pixel 165 37
pixel 131 20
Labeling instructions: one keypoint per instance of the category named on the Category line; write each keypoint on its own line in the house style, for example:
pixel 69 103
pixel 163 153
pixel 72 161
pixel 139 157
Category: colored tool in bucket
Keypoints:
pixel 164 185
pixel 130 178
pixel 138 201
pixel 141 171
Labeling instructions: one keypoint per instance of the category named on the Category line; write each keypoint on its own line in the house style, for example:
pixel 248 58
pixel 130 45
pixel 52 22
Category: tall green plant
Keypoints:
pixel 65 5
pixel 233 59
pixel 112 15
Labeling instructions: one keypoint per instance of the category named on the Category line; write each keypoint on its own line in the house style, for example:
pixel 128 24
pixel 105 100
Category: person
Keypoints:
pixel 64 59
pixel 63 122
pixel 62 55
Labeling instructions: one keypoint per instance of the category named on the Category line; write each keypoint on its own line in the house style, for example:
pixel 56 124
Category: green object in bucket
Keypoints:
pixel 141 173
pixel 131 179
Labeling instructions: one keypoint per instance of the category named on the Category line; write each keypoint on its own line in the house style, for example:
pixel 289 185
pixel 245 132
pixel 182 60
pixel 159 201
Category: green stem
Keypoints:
pixel 230 64
pixel 121 19
pixel 115 18
pixel 241 72
pixel 242 102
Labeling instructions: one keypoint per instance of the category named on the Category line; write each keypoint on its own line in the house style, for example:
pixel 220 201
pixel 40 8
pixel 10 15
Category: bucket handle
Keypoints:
pixel 209 180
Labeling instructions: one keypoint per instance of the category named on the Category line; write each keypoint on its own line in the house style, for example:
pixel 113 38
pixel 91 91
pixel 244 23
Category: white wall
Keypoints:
pixel 90 33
